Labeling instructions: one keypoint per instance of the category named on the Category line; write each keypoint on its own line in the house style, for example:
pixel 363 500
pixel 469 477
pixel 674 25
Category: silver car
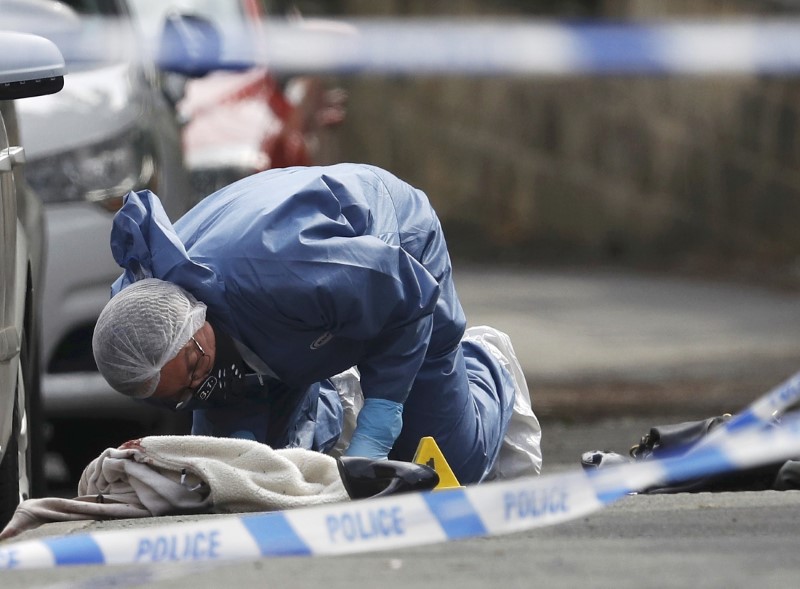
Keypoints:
pixel 110 130
pixel 29 66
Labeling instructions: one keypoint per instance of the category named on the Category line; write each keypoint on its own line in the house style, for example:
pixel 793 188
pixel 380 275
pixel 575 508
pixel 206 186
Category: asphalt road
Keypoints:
pixel 604 343
pixel 607 355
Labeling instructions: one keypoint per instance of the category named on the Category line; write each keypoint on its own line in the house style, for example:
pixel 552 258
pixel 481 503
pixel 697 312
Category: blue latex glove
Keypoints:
pixel 379 423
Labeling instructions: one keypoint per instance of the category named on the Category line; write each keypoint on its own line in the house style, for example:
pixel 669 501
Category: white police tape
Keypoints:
pixel 752 438
pixel 763 410
pixel 491 46
pixel 405 520
pixel 538 47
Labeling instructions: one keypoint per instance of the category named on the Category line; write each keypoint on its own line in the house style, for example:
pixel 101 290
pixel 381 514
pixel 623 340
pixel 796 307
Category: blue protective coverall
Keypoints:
pixel 315 270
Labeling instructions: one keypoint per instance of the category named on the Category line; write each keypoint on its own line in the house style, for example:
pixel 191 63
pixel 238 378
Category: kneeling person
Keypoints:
pixel 248 306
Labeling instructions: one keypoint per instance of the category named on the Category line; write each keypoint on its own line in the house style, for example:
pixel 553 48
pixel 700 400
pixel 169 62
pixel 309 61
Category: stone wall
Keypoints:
pixel 643 170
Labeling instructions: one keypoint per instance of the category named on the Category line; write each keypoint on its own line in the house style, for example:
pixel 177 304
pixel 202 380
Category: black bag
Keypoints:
pixel 677 439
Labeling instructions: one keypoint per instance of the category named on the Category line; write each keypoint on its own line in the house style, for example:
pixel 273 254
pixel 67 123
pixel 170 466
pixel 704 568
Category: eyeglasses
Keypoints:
pixel 199 358
pixel 187 392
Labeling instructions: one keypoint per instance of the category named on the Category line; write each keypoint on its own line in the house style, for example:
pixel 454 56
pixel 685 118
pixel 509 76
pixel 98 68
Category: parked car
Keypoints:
pixel 242 122
pixel 114 128
pixel 29 66
pixel 110 130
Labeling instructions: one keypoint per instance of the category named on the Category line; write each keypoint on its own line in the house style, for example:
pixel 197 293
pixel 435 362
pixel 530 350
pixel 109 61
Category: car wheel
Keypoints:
pixel 10 473
pixel 15 469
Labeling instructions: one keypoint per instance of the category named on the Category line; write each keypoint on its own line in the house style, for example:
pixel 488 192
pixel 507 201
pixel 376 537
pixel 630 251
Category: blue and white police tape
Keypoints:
pixel 764 410
pixel 400 521
pixel 538 47
pixel 520 46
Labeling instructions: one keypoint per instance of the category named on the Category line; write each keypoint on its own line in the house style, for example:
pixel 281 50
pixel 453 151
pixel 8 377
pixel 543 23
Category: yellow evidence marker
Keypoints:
pixel 428 453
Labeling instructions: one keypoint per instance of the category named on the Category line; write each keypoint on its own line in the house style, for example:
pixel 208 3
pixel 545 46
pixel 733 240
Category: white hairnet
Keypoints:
pixel 142 328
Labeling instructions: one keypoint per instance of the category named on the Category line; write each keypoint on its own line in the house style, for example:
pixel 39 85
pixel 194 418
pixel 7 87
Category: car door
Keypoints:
pixel 29 66
pixel 9 337
pixel 8 229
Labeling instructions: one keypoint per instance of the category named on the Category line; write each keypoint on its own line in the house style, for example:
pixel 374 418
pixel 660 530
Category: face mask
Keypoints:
pixel 224 383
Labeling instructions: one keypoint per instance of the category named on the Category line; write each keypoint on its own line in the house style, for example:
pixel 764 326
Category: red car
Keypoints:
pixel 239 123
pixel 242 123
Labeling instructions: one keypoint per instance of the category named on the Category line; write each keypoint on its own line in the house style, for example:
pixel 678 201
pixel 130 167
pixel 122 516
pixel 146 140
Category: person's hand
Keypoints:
pixel 366 447
pixel 379 423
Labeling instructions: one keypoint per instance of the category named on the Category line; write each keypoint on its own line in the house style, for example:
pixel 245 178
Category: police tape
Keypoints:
pixel 763 411
pixel 524 46
pixel 485 46
pixel 416 519
pixel 751 438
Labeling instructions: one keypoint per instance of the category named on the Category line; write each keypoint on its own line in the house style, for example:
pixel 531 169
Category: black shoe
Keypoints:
pixel 364 477
pixel 602 459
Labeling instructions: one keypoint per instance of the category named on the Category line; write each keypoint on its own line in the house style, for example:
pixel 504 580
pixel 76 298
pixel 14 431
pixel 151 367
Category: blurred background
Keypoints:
pixel 638 167
pixel 698 173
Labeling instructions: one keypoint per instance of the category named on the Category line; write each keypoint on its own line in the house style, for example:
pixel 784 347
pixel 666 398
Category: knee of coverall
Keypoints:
pixel 464 400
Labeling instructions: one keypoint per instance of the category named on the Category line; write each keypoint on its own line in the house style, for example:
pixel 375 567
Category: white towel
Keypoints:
pixel 170 475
